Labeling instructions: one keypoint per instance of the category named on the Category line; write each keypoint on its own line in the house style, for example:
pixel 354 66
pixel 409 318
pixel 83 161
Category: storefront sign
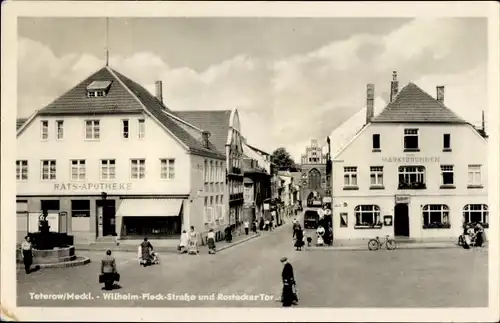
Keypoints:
pixel 327 199
pixel 92 186
pixel 402 199
pixel 411 159
pixel 388 220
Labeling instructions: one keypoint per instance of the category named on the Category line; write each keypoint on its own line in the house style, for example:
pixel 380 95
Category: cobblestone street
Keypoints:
pixel 400 278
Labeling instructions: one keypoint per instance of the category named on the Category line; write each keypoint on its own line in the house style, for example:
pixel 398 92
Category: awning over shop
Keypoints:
pixel 146 207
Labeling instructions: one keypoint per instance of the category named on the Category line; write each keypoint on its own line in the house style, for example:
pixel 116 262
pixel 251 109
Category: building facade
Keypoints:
pixel 108 159
pixel 225 133
pixel 314 184
pixel 416 170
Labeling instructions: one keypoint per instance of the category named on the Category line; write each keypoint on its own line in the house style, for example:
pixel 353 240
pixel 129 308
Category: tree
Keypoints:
pixel 283 160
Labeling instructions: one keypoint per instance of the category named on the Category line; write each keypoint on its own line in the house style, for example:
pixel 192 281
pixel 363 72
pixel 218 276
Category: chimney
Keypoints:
pixel 204 139
pixel 440 93
pixel 159 91
pixel 394 85
pixel 370 89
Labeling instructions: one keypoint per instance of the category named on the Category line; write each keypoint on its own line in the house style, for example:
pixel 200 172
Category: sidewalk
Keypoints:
pixel 411 245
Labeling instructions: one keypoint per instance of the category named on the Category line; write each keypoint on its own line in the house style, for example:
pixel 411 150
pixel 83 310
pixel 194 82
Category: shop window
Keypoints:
pixel 376 176
pixel 137 168
pixel 80 208
pixel 350 177
pixel 411 140
pixel 476 213
pixel 92 129
pixel 21 170
pixel 474 176
pixel 343 220
pixel 447 176
pixel 367 216
pixel 48 170
pixel 436 216
pixel 411 177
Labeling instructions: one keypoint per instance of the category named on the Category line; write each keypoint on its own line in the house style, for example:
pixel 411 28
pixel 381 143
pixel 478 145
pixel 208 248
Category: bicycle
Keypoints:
pixel 375 244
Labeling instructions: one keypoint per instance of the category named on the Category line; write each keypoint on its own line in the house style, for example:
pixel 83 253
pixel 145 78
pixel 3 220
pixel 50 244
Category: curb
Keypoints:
pixel 80 261
pixel 364 248
pixel 238 242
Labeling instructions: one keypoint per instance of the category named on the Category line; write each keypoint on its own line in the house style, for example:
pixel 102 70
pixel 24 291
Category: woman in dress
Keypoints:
pixel 193 241
pixel 299 237
pixel 183 244
pixel 27 254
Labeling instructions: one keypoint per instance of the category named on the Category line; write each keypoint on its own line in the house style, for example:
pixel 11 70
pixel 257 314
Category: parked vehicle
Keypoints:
pixel 311 219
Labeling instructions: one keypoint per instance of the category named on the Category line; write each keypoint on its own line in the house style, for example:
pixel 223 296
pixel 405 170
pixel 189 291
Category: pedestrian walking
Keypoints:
pixel 146 249
pixel 254 226
pixel 184 242
pixel 27 254
pixel 246 225
pixel 289 292
pixel 109 273
pixel 211 241
pixel 299 239
pixel 261 223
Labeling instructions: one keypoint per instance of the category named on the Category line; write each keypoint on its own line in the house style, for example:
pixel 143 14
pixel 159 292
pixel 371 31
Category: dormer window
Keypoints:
pixel 98 89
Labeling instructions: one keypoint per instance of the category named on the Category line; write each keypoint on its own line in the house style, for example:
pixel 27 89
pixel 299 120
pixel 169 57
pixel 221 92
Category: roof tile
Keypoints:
pixel 414 105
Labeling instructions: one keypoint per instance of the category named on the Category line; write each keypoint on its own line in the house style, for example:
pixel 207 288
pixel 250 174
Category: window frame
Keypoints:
pixel 61 123
pixel 374 148
pixel 141 165
pixel 44 130
pixel 447 169
pixel 94 124
pixel 377 172
pixel 445 216
pixel 125 133
pixel 350 172
pixel 411 132
pixel 165 168
pixel 420 171
pixel 446 137
pixel 109 166
pixel 78 168
pixel 474 172
pixel 358 216
pixel 80 210
pixel 20 167
pixel 141 128
pixel 483 210
pixel 344 223
pixel 49 169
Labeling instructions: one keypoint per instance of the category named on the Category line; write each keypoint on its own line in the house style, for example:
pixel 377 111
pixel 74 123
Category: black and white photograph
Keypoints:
pixel 235 160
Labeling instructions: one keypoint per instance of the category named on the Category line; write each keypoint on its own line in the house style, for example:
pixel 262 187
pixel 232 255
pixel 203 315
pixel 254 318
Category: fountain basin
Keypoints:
pixel 56 258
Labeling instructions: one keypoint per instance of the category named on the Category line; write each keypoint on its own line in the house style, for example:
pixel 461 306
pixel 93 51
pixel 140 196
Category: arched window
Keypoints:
pixel 436 216
pixel 367 215
pixel 314 179
pixel 476 213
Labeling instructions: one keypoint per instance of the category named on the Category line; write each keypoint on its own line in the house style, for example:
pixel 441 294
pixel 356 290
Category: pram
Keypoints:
pixel 192 249
pixel 154 258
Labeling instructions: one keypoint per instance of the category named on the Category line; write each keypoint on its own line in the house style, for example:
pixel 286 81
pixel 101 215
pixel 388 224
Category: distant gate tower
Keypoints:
pixel 313 165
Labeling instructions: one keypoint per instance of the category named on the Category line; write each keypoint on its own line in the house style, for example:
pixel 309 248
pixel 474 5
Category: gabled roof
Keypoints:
pixel 215 121
pixel 414 105
pixel 20 122
pixel 126 96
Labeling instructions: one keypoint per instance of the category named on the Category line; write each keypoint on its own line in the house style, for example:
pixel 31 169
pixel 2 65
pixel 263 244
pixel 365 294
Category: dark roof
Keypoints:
pixel 120 100
pixel 20 122
pixel 216 122
pixel 414 105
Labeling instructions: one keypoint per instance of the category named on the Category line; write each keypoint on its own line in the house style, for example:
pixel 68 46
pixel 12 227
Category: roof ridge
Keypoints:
pixel 175 111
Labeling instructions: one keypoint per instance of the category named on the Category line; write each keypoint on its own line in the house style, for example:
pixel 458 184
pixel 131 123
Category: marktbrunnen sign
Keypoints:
pixel 411 159
pixel 92 186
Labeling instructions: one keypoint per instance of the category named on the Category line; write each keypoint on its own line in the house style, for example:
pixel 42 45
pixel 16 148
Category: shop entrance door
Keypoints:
pixel 401 220
pixel 106 217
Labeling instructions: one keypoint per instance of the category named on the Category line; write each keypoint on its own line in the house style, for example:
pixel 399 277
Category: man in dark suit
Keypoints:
pixel 288 296
pixel 108 270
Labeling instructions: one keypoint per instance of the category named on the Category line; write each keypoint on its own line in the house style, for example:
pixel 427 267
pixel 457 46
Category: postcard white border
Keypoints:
pixel 12 10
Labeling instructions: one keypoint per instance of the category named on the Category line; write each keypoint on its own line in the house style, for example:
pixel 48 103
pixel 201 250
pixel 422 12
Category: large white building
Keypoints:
pixel 415 170
pixel 108 159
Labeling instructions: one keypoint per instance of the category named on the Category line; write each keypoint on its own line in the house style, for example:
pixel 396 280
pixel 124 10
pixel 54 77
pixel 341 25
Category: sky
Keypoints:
pixel 291 79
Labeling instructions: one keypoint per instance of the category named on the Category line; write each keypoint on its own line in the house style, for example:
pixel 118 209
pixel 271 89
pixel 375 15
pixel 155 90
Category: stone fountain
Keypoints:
pixel 53 249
